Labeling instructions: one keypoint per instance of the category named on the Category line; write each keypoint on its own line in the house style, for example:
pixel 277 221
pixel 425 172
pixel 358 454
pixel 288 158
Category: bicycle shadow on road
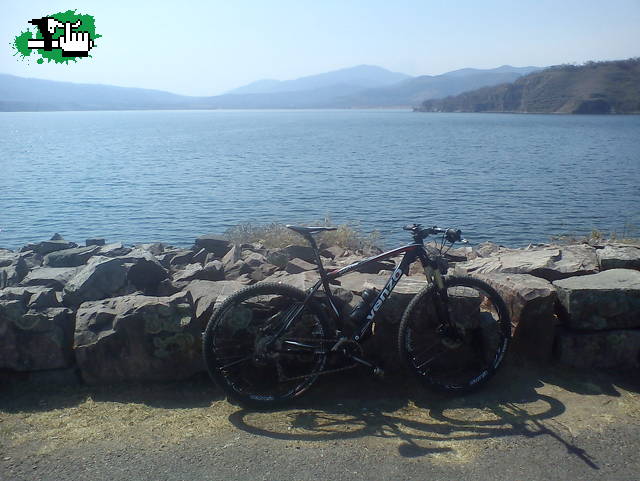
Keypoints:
pixel 521 402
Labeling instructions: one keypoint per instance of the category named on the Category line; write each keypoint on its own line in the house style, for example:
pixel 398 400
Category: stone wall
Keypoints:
pixel 115 313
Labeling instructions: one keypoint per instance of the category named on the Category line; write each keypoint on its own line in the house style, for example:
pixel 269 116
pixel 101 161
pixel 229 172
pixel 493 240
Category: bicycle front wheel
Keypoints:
pixel 249 355
pixel 463 352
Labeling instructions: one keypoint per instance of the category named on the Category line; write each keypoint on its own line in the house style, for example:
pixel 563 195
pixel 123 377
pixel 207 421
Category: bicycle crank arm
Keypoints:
pixel 378 371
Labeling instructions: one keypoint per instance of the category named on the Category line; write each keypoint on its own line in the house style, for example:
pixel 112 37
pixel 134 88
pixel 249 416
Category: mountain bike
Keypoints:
pixel 267 343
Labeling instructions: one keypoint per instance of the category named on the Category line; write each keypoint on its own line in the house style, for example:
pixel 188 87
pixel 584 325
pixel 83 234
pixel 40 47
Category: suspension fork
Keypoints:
pixel 435 277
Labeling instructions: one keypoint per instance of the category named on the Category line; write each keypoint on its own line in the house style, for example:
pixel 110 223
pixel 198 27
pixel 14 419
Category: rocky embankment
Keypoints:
pixel 111 313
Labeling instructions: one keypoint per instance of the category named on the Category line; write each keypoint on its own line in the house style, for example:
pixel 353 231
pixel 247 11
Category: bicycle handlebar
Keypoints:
pixel 451 235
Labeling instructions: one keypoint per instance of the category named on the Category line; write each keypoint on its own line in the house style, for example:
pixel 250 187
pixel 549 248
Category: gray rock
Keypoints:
pixel 531 304
pixel 301 252
pixel 207 295
pixel 605 349
pixel 70 257
pixel 95 242
pixel 54 277
pixel 236 270
pixel 200 256
pixel 137 338
pixel 231 257
pixel 105 277
pixel 8 258
pixel 145 272
pixel 551 263
pixel 214 243
pixel 486 249
pixel 277 258
pixel 302 281
pixel 100 278
pixel 10 276
pixel 608 300
pixel 43 298
pixel 213 271
pixel 182 257
pixel 253 259
pixel 619 256
pixel 34 297
pixel 262 272
pixel 34 339
pixel 155 248
pixel 332 252
pixel 46 247
pixel 295 266
pixel 113 250
pixel 32 260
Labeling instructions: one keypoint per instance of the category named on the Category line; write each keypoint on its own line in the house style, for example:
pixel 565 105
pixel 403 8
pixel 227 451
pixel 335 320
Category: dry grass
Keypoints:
pixel 49 421
pixel 628 234
pixel 276 235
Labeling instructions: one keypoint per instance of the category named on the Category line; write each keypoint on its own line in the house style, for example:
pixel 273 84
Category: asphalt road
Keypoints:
pixel 526 424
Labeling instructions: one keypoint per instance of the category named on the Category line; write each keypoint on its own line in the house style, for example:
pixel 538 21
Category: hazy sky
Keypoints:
pixel 200 47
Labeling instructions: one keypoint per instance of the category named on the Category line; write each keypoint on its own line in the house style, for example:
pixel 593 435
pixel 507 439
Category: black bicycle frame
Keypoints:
pixel 412 252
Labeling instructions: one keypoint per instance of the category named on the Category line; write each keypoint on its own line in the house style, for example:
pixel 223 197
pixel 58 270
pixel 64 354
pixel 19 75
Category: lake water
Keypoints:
pixel 173 175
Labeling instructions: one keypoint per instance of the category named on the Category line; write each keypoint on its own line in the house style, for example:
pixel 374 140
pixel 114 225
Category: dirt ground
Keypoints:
pixel 529 422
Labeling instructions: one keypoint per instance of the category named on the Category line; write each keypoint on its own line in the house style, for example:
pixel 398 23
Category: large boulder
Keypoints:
pixel 105 277
pixel 550 263
pixel 145 271
pixel 178 258
pixel 619 256
pixel 54 277
pixel 99 279
pixel 33 297
pixel 137 338
pixel 70 257
pixel 34 339
pixel 13 268
pixel 262 272
pixel 604 349
pixel 608 300
pixel 213 243
pixel 207 296
pixel 237 269
pixel 295 266
pixel 46 247
pixel 116 249
pixel 232 256
pixel 301 252
pixel 531 304
pixel 212 271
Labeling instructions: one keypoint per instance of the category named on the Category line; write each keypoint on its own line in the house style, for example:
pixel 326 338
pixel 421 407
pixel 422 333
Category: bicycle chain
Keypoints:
pixel 328 371
pixel 304 376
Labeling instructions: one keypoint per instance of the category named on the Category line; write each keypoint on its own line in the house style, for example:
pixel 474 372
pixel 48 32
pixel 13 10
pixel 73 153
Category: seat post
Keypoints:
pixel 316 252
pixel 323 275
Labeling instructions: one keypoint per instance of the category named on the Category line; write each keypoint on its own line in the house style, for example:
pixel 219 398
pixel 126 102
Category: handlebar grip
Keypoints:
pixel 453 235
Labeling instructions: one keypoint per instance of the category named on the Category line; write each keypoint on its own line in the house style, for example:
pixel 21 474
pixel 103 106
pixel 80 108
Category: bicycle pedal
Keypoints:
pixel 378 372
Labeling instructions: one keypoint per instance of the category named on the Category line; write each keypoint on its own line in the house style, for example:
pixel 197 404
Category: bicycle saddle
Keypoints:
pixel 308 230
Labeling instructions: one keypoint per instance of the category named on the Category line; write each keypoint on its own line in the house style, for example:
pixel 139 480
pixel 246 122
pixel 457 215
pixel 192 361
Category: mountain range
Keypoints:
pixel 363 86
pixel 593 88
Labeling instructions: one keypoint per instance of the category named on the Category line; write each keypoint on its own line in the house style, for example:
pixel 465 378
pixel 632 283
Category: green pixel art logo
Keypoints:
pixel 59 37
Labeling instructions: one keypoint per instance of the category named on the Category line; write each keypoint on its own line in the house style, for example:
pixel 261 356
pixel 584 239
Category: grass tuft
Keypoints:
pixel 276 235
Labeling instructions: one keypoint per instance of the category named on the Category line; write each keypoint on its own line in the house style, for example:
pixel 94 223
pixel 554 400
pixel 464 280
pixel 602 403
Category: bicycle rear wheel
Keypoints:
pixel 246 359
pixel 465 353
